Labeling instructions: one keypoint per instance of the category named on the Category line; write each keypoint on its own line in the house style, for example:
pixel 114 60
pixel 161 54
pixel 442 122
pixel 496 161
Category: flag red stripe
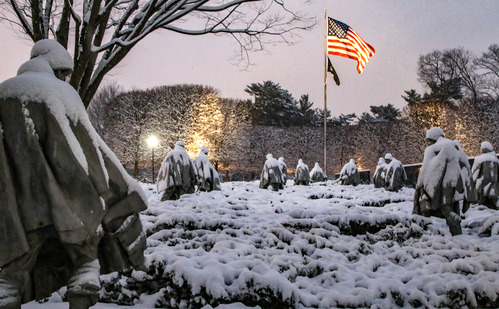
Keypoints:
pixel 348 48
pixel 367 49
pixel 349 51
pixel 343 48
pixel 360 64
pixel 352 47
pixel 342 54
pixel 359 44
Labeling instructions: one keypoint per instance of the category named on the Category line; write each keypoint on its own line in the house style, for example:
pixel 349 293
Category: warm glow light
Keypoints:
pixel 195 145
pixel 359 166
pixel 152 141
pixel 206 130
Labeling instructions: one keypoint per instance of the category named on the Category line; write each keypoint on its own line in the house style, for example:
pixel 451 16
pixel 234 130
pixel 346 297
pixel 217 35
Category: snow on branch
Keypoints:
pixel 104 32
pixel 223 7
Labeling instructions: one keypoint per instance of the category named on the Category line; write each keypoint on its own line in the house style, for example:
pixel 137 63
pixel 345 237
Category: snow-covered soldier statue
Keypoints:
pixel 379 174
pixel 284 171
pixel 302 174
pixel 69 211
pixel 316 174
pixel 349 174
pixel 388 158
pixel 176 175
pixel 443 181
pixel 395 176
pixel 208 178
pixel 271 174
pixel 484 177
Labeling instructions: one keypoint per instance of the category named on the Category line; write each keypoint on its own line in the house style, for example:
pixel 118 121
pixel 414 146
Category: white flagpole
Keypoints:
pixel 325 89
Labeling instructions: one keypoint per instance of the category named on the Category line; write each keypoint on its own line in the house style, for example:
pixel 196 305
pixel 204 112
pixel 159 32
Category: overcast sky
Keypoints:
pixel 400 31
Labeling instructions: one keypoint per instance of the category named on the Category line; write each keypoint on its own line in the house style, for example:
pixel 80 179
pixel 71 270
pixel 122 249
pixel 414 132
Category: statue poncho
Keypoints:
pixel 57 175
pixel 317 174
pixel 444 176
pixel 302 174
pixel 208 178
pixel 176 175
pixel 443 181
pixel 395 177
pixel 485 177
pixel 271 174
pixel 284 171
pixel 380 174
pixel 349 174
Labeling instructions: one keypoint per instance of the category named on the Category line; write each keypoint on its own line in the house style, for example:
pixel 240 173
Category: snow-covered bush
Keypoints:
pixel 309 247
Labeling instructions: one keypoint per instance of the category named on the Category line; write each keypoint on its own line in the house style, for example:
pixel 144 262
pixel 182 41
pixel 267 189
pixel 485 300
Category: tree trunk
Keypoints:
pixel 136 169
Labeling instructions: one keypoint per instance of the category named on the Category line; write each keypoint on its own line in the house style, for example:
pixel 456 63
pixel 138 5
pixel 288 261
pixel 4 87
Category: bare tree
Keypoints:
pixel 489 62
pixel 341 141
pixel 478 122
pixel 104 32
pixel 421 117
pixel 463 61
pixel 207 124
pixel 97 110
pixel 228 142
pixel 260 140
pixel 375 138
pixel 439 78
pixel 192 113
pixel 450 75
pixel 174 110
pixel 128 125
pixel 463 98
pixel 303 142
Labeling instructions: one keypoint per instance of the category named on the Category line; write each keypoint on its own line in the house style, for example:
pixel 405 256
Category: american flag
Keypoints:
pixel 343 41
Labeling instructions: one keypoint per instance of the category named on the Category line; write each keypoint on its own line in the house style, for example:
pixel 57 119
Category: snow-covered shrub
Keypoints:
pixel 287 250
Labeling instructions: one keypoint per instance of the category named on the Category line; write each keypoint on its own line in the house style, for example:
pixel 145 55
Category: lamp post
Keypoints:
pixel 152 141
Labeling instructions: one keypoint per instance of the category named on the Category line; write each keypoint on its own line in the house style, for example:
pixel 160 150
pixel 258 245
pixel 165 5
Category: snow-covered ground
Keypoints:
pixel 318 246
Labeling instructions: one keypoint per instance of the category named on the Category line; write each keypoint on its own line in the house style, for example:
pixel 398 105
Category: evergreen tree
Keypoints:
pixel 308 115
pixel 320 116
pixel 385 113
pixel 366 117
pixel 412 97
pixel 272 105
pixel 343 120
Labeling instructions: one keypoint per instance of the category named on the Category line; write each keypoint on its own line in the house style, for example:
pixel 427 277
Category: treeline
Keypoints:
pixel 193 113
pixel 461 96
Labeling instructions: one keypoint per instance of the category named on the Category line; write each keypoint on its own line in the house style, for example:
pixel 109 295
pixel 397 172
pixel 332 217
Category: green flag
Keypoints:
pixel 331 69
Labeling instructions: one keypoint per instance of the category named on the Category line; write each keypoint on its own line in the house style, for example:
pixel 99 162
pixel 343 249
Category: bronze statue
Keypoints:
pixel 208 178
pixel 395 176
pixel 485 177
pixel 443 181
pixel 380 174
pixel 317 174
pixel 302 174
pixel 271 174
pixel 349 174
pixel 176 175
pixel 69 210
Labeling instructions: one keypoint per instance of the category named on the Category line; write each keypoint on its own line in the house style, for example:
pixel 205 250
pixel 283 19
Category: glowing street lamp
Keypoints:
pixel 152 141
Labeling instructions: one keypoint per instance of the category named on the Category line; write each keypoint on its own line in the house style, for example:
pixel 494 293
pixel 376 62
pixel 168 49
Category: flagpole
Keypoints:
pixel 325 89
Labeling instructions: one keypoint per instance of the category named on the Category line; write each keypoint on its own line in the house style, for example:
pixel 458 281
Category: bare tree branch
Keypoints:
pixel 104 31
